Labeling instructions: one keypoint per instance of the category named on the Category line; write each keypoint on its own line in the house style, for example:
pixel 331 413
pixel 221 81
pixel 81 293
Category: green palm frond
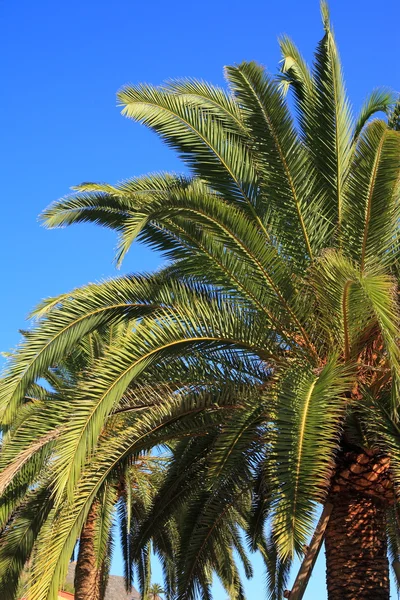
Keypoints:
pixel 370 213
pixel 379 100
pixel 353 303
pixel 205 93
pixel 193 213
pixel 277 569
pixel 180 484
pixel 240 440
pixel 57 538
pixel 201 133
pixel 303 449
pixel 22 533
pixel 210 325
pixel 30 442
pixel 207 536
pixel 329 126
pixel 56 336
pixel 260 509
pixel 394 116
pixel 117 207
pixel 103 525
pixel 65 324
pixel 208 523
pixel 281 159
pixel 296 75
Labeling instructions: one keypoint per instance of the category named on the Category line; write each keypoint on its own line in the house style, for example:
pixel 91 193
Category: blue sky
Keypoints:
pixel 62 63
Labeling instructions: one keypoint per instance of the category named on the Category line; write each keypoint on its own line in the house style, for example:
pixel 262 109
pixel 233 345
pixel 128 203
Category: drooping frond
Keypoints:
pixel 210 325
pixel 129 435
pixel 63 326
pixel 296 76
pixel 379 100
pixel 260 509
pixel 22 533
pixel 204 136
pixel 303 449
pixel 116 207
pixel 208 513
pixel 370 212
pixel 205 93
pixel 277 569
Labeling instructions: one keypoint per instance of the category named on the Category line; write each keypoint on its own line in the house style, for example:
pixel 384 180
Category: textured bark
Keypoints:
pixel 363 472
pixel 88 577
pixel 357 566
pixel 355 542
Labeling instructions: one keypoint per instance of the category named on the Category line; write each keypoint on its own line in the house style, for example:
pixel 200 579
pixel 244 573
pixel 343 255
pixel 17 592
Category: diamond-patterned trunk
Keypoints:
pixel 87 575
pixel 355 540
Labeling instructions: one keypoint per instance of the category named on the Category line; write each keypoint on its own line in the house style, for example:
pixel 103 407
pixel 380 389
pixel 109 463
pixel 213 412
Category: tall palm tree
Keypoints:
pixel 285 244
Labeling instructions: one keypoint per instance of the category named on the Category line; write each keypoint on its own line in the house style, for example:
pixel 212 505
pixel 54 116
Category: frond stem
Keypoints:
pixel 369 200
pixel 286 168
pixel 345 300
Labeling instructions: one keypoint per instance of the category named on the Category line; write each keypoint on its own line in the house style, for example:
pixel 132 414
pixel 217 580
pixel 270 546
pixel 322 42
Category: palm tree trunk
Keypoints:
pixel 357 566
pixel 87 574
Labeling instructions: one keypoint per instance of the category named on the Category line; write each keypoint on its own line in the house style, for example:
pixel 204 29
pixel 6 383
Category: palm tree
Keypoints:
pixel 38 527
pixel 155 590
pixel 285 244
pixel 129 487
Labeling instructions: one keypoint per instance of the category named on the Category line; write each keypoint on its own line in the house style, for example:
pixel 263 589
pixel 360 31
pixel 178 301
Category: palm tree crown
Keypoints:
pixel 155 590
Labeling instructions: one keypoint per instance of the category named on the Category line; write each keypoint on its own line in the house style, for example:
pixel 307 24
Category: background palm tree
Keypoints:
pixel 128 488
pixel 155 589
pixel 285 245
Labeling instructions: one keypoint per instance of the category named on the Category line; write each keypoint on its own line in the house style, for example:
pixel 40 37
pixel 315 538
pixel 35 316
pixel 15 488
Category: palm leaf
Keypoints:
pixel 303 449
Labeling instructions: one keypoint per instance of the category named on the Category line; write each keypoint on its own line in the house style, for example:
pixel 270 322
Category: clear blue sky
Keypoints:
pixel 63 61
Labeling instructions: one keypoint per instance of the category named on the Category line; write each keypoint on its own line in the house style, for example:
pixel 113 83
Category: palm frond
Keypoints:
pixel 379 100
pixel 303 449
pixel 277 569
pixel 370 213
pixel 22 533
pixel 203 135
pixel 329 126
pixel 280 156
